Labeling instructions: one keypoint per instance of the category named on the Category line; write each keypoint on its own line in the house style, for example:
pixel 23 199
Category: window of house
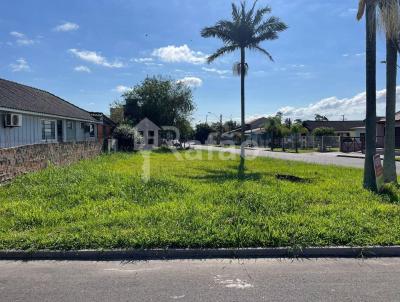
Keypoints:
pixel 82 125
pixel 141 133
pixel 69 125
pixel 48 130
pixel 150 141
pixel 151 133
pixel 91 130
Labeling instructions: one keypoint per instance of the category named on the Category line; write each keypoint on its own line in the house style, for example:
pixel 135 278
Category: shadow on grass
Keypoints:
pixel 220 176
pixel 392 192
pixel 292 178
pixel 162 150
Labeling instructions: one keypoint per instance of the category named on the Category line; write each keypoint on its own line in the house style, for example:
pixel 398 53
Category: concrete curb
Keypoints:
pixel 180 254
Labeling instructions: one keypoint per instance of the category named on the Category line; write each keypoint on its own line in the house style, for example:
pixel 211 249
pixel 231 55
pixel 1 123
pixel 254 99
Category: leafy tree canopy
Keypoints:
pixel 162 100
pixel 202 132
pixel 324 131
pixel 321 118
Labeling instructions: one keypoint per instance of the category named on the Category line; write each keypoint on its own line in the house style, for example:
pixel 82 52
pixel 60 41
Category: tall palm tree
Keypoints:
pixel 390 19
pixel 246 30
pixel 369 6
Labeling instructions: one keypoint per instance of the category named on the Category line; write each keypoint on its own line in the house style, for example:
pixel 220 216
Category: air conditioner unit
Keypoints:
pixel 13 120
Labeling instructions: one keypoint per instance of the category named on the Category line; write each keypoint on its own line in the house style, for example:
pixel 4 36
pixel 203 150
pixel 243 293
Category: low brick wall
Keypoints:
pixel 25 159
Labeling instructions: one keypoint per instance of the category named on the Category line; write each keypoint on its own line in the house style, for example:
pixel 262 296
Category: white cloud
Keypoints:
pixel 214 70
pixel 95 58
pixel 333 107
pixel 350 12
pixel 121 89
pixel 179 54
pixel 82 68
pixel 297 65
pixel 143 60
pixel 67 26
pixel 20 65
pixel 191 81
pixel 21 39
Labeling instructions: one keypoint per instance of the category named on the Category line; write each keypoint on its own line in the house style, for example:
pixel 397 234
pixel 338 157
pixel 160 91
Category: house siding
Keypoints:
pixel 30 132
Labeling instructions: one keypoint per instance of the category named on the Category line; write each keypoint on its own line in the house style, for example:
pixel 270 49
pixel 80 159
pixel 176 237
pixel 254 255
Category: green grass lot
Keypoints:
pixel 197 202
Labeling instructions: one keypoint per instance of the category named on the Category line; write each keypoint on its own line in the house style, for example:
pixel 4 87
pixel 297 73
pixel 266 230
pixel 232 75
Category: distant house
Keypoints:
pixel 32 116
pixel 341 128
pixel 150 133
pixel 105 127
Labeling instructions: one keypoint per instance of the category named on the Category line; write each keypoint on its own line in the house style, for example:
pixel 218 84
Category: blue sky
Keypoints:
pixel 89 51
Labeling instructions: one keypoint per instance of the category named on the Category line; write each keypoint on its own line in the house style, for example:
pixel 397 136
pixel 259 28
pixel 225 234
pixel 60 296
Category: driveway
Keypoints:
pixel 329 158
pixel 210 280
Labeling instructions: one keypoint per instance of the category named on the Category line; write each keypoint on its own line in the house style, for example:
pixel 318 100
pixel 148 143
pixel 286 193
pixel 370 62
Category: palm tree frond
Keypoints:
pixel 235 12
pixel 222 30
pixel 260 14
pixel 262 50
pixel 250 13
pixel 272 24
pixel 221 51
pixel 389 18
pixel 237 68
pixel 361 9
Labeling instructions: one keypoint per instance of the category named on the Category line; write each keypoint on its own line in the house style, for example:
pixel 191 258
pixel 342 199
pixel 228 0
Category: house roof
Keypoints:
pixel 100 116
pixel 146 124
pixel 383 119
pixel 337 125
pixel 253 124
pixel 25 98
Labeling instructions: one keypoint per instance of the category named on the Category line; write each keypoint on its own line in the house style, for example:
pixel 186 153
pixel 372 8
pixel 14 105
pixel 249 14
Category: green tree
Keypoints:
pixel 323 131
pixel 246 30
pixel 390 19
pixel 321 118
pixel 273 126
pixel 297 129
pixel 185 130
pixel 231 125
pixel 283 133
pixel 162 100
pixel 202 132
pixel 369 7
pixel 127 137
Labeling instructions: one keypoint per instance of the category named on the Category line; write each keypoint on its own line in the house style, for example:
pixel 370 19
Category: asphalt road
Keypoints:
pixel 211 280
pixel 330 158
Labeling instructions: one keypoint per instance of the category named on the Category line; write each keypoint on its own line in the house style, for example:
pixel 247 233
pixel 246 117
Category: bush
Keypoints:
pixel 127 137
pixel 324 131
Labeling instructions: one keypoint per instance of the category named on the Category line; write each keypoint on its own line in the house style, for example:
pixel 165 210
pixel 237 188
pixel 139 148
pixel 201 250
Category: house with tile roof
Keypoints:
pixel 31 116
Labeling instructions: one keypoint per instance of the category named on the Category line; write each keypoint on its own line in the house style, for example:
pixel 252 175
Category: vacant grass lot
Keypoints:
pixel 104 203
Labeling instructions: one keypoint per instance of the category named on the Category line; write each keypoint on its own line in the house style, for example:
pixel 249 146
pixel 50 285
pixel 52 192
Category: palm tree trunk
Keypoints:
pixel 370 123
pixel 242 96
pixel 389 163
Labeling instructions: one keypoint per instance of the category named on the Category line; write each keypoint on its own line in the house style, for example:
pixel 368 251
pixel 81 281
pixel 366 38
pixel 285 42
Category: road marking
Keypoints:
pixel 132 270
pixel 177 297
pixel 232 283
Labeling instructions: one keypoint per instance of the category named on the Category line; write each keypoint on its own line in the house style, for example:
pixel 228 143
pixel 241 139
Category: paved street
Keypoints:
pixel 330 158
pixel 211 280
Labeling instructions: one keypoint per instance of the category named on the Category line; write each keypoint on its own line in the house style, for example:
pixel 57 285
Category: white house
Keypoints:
pixel 31 116
pixel 150 133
